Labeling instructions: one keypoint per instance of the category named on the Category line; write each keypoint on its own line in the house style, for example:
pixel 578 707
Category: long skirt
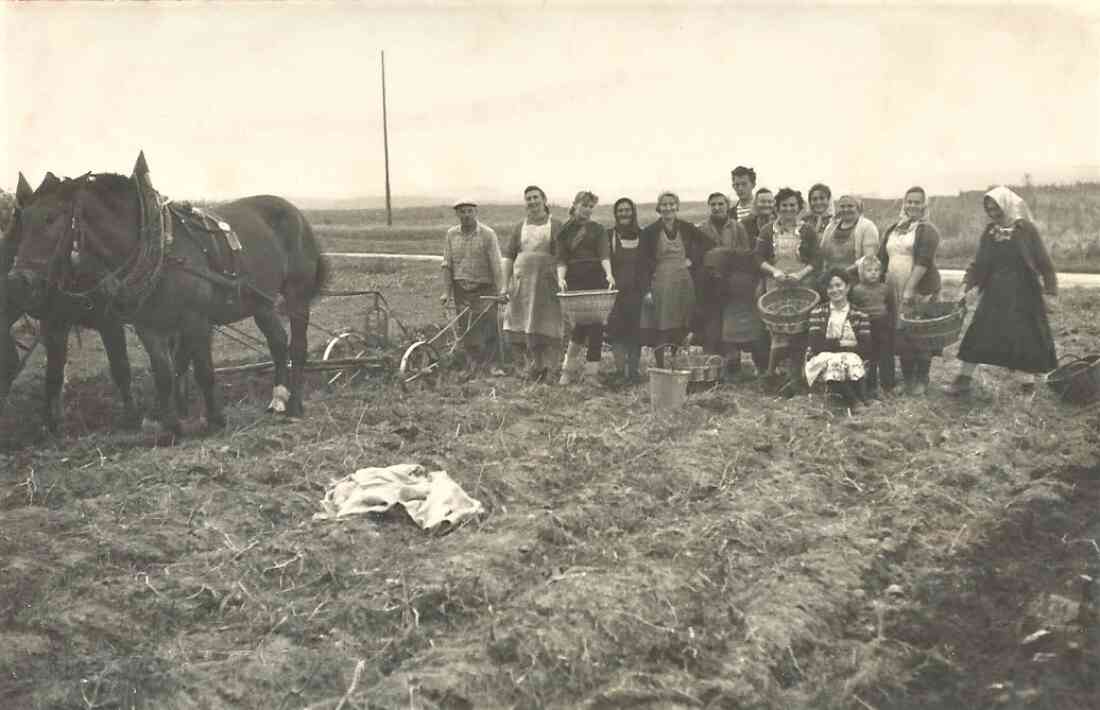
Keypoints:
pixel 533 316
pixel 1010 327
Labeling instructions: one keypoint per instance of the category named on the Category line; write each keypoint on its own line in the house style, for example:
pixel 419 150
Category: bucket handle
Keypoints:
pixel 1059 365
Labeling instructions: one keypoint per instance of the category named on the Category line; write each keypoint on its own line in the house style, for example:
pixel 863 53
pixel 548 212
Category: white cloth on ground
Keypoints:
pixel 430 498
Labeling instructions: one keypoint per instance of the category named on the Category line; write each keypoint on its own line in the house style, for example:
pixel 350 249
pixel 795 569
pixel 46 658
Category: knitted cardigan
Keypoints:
pixel 819 321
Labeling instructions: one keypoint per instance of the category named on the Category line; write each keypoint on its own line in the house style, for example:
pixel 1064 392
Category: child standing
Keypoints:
pixel 876 299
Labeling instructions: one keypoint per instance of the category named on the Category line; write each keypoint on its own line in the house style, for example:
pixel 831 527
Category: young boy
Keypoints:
pixel 876 299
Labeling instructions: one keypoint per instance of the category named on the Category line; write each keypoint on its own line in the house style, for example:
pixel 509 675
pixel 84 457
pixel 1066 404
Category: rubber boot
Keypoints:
pixel 634 363
pixel 908 377
pixel 921 368
pixel 619 353
pixel 571 365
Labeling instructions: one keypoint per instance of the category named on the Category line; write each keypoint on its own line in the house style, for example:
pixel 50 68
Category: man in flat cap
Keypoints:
pixel 472 269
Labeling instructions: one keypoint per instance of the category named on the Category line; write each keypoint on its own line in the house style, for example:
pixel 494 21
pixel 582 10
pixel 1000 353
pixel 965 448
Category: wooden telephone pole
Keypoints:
pixel 386 143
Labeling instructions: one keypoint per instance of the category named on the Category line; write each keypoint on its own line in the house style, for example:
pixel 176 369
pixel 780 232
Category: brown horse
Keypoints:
pixel 112 241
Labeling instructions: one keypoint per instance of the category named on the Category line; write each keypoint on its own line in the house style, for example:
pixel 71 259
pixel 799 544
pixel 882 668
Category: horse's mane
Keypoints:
pixel 65 187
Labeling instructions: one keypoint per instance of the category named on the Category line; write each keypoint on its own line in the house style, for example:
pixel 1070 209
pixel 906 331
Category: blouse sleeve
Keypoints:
pixel 862 325
pixel 1040 258
pixel 819 318
pixel 867 232
pixel 978 269
pixel 603 242
pixel 765 246
pixel 510 249
pixel 925 245
pixel 883 254
pixel 447 256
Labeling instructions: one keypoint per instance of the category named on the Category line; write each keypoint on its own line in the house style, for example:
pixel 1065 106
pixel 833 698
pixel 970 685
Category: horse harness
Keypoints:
pixel 128 286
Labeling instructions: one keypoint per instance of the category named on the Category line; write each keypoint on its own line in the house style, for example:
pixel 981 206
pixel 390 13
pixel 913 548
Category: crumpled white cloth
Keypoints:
pixel 430 498
pixel 836 367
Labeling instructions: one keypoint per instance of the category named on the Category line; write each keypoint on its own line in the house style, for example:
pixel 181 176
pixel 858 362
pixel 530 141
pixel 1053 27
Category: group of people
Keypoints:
pixel 681 283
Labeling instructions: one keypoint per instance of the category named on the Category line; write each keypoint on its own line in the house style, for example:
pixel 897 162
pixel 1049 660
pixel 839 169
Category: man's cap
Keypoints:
pixel 465 203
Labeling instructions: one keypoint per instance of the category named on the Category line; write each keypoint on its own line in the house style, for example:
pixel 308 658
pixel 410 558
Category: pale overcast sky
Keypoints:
pixel 233 99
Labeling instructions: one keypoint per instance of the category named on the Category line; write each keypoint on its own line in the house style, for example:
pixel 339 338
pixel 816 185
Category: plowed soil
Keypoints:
pixel 743 552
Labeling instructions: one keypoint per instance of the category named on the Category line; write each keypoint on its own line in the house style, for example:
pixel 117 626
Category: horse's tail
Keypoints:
pixel 320 276
pixel 321 271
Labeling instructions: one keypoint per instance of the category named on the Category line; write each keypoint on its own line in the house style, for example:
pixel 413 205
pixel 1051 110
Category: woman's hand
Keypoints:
pixel 610 283
pixel 562 285
pixel 647 299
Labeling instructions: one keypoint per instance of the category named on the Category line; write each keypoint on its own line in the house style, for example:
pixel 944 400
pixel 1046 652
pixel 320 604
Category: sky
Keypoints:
pixel 622 98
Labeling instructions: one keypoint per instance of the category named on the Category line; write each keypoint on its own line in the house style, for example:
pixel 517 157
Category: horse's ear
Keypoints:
pixel 141 168
pixel 23 191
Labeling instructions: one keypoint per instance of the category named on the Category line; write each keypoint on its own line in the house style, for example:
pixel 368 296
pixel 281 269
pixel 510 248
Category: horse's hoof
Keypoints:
pixel 279 398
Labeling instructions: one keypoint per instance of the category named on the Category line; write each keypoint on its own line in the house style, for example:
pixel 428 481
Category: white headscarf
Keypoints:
pixel 911 222
pixel 1011 204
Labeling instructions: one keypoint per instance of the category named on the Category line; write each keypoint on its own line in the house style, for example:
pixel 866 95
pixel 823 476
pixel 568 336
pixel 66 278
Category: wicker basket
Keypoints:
pixel 587 307
pixel 786 310
pixel 1078 380
pixel 933 326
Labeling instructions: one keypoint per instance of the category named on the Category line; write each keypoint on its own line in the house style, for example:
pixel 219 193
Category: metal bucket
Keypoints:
pixel 668 388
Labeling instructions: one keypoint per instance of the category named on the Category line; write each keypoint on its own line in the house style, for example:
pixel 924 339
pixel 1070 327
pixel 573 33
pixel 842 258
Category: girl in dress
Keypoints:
pixel 1010 327
pixel 532 320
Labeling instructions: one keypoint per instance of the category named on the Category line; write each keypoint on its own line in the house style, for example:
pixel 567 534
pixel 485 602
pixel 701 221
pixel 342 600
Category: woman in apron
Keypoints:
pixel 672 250
pixel 789 252
pixel 532 319
pixel 848 238
pixel 908 257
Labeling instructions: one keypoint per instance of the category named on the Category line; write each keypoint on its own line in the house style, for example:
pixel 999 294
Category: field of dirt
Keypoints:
pixel 745 552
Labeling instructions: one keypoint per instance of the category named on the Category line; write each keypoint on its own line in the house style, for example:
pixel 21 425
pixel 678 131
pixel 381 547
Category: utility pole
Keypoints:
pixel 386 143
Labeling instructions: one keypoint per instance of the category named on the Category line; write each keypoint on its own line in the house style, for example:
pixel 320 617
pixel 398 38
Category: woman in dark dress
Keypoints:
pixel 1010 327
pixel 584 263
pixel 624 323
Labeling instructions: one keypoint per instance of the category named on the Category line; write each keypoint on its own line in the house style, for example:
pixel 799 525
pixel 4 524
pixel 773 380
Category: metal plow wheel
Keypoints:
pixel 421 367
pixel 346 358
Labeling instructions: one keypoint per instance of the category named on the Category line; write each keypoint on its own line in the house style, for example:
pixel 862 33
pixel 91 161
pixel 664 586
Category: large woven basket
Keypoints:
pixel 587 307
pixel 786 310
pixel 933 326
pixel 1078 380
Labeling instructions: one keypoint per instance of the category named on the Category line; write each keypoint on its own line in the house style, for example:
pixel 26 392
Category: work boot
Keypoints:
pixel 921 369
pixel 634 364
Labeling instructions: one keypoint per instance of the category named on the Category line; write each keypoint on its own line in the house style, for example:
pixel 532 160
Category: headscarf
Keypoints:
pixel 1011 204
pixel 632 230
pixel 818 222
pixel 905 222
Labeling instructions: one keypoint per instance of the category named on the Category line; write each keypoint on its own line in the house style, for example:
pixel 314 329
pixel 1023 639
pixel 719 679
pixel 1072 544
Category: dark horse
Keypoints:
pixel 56 321
pixel 111 240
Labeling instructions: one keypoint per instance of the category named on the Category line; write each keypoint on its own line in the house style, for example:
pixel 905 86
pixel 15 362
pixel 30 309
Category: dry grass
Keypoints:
pixel 744 552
